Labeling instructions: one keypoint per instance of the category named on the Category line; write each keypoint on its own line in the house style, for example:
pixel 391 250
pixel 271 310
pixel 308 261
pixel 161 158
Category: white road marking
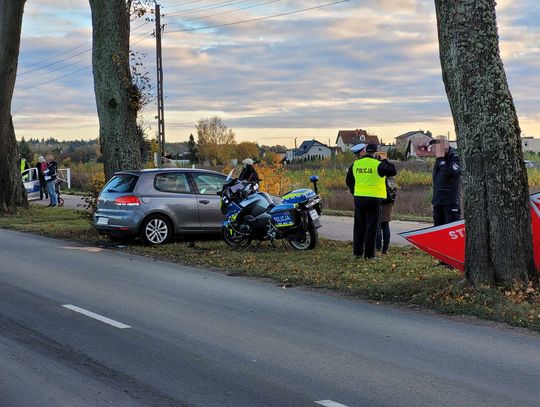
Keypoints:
pixel 96 316
pixel 89 249
pixel 330 403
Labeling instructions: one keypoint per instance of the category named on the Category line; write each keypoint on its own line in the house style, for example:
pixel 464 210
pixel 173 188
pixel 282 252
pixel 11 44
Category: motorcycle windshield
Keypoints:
pixel 236 187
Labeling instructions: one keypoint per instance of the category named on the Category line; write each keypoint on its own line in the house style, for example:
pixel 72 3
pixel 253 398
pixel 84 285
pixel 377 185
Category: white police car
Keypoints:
pixel 31 183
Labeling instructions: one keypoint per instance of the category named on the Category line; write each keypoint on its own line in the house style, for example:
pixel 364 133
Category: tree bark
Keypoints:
pixel 496 194
pixel 116 96
pixel 12 192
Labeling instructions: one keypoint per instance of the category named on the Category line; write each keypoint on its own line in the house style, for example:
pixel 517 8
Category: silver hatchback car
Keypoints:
pixel 157 204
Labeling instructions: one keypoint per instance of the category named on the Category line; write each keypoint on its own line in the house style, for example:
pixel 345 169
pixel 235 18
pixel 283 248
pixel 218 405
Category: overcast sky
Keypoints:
pixel 370 64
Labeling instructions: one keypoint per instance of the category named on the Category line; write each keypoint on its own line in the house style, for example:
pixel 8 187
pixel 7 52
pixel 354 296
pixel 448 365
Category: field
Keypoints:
pixel 413 179
pixel 414 196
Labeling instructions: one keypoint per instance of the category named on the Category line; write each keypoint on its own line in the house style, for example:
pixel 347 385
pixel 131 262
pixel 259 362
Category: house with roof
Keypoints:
pixel 384 149
pixel 530 144
pixel 310 150
pixel 419 148
pixel 348 138
pixel 403 140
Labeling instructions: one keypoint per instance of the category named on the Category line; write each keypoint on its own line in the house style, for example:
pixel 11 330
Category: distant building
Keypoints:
pixel 419 148
pixel 530 144
pixel 310 150
pixel 336 151
pixel 348 138
pixel 384 149
pixel 402 141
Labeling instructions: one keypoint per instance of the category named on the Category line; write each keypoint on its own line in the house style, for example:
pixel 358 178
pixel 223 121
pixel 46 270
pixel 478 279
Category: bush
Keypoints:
pixel 91 198
pixel 82 175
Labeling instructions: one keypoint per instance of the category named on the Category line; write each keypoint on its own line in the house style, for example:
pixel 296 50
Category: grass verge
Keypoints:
pixel 406 276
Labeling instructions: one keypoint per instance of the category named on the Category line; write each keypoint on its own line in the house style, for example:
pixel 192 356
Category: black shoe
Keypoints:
pixel 443 264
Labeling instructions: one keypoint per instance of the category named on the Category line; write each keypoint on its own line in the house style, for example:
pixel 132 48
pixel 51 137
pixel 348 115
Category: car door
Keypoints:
pixel 31 183
pixel 176 197
pixel 207 186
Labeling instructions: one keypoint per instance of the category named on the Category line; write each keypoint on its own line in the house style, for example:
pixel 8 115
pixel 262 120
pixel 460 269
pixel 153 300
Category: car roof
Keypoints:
pixel 160 170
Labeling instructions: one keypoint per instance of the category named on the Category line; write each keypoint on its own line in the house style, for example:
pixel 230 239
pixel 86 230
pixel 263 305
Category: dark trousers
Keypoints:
pixel 383 237
pixel 367 213
pixel 43 189
pixel 443 214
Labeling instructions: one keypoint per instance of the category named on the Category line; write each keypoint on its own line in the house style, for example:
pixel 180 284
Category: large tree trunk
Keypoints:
pixel 12 192
pixel 116 97
pixel 496 194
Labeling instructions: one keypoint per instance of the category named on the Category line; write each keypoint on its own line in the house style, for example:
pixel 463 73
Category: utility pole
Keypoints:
pixel 159 66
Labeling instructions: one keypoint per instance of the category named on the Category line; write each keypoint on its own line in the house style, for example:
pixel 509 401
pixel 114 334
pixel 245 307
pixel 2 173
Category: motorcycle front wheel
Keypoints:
pixel 307 241
pixel 233 239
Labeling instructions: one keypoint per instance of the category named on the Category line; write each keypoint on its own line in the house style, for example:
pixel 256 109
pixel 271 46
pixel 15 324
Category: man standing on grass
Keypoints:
pixel 50 177
pixel 446 199
pixel 366 181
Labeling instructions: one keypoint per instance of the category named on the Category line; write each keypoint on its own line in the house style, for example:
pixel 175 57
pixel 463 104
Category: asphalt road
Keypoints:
pixel 334 227
pixel 182 336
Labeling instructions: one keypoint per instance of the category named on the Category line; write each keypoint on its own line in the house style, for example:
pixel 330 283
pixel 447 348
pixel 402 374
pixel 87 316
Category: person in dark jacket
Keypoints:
pixel 41 167
pixel 446 199
pixel 248 173
pixel 366 181
pixel 50 177
pixel 383 233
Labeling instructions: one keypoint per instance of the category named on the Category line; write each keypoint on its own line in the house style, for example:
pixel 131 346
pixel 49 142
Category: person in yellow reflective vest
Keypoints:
pixel 24 166
pixel 366 181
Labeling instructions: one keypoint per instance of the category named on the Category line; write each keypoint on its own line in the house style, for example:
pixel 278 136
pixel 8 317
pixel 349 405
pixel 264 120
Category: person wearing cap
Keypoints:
pixel 446 198
pixel 366 181
pixel 249 173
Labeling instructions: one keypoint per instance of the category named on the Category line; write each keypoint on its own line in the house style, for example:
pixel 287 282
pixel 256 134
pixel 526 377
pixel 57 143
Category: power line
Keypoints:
pixel 54 63
pixel 25 70
pixel 54 56
pixel 55 79
pixel 26 79
pixel 208 7
pixel 73 72
pixel 30 78
pixel 261 18
pixel 182 4
pixel 230 11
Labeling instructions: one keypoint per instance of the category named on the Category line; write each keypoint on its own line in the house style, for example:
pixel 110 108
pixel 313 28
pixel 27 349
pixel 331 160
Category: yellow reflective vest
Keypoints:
pixel 367 181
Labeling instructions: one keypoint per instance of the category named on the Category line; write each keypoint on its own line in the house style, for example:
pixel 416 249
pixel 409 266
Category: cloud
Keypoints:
pixel 368 63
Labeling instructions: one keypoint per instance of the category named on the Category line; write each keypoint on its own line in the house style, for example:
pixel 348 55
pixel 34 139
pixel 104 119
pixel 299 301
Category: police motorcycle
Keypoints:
pixel 254 215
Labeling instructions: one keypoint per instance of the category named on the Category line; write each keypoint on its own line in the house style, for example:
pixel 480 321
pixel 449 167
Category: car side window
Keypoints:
pixel 175 183
pixel 209 184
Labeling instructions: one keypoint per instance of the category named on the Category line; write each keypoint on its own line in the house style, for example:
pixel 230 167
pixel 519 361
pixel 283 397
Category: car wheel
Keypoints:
pixel 155 229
